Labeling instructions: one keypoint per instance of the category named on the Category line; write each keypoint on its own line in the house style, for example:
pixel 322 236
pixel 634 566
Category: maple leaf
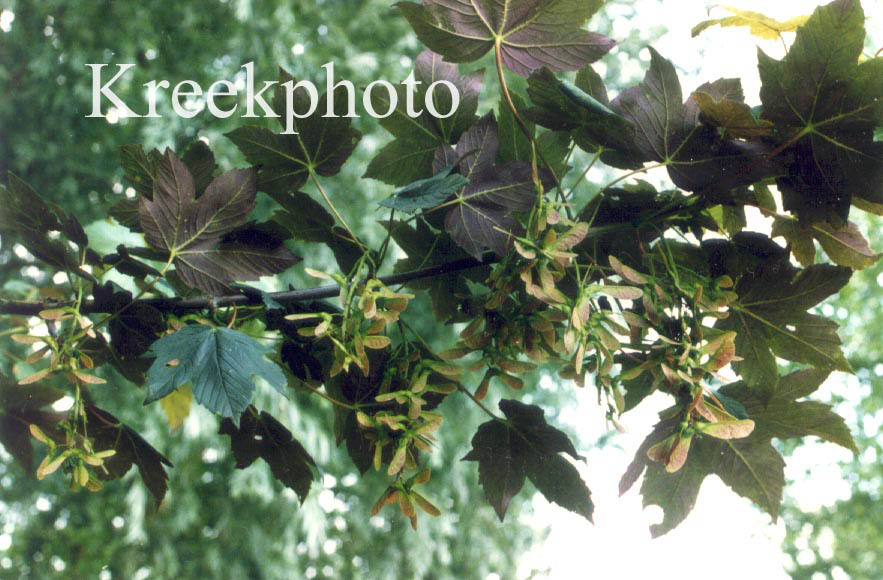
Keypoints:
pixel 140 167
pixel 309 221
pixel 825 106
pixel 480 216
pixel 107 432
pixel 845 245
pixel 770 317
pixel 778 412
pixel 530 33
pixel 676 492
pixel 218 363
pixel 750 466
pixel 669 131
pixel 21 406
pixel 426 193
pixel 582 108
pixel 425 249
pixel 758 24
pixel 202 235
pixel 409 157
pixel 200 160
pixel 733 116
pixel 30 219
pixel 322 143
pixel 176 405
pixel 628 210
pixel 513 144
pixel 263 436
pixel 135 328
pixel 527 447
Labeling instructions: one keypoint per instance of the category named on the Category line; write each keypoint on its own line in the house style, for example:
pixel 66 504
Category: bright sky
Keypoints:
pixel 724 537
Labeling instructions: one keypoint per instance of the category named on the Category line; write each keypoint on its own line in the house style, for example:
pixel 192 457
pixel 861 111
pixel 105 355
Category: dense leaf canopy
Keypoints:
pixel 634 290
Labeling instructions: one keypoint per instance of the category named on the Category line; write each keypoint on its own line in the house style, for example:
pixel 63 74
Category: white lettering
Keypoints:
pixel 152 88
pixel 98 90
pixel 290 113
pixel 393 99
pixel 251 97
pixel 212 93
pixel 411 84
pixel 195 91
pixel 455 99
pixel 330 89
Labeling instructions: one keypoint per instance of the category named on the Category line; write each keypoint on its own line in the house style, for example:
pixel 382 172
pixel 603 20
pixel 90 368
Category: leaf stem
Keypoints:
pixel 584 173
pixel 505 88
pixel 533 145
pixel 329 398
pixel 336 213
pixel 631 173
pixel 481 405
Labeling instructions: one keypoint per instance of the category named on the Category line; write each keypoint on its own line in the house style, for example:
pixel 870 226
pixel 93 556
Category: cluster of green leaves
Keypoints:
pixel 639 290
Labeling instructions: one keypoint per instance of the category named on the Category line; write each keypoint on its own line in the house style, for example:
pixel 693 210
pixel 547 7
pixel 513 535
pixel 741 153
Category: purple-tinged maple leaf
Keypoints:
pixel 531 33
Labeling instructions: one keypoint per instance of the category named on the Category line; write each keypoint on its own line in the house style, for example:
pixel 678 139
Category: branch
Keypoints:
pixel 285 297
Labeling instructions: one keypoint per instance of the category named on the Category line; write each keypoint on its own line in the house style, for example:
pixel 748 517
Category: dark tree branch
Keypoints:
pixel 285 297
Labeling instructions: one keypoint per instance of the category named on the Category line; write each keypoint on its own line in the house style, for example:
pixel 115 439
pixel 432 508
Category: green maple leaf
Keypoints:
pixel 525 446
pixel 750 466
pixel 778 412
pixel 531 33
pixel 262 436
pixel 219 363
pixel 426 193
pixel 514 146
pixel 770 318
pixel 676 492
pixel 139 167
pixel 322 144
pixel 200 160
pixel 204 235
pixel 409 156
pixel 845 244
pixel 825 106
pixel 733 116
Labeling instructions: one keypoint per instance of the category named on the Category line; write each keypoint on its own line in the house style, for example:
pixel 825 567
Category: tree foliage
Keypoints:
pixel 639 290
